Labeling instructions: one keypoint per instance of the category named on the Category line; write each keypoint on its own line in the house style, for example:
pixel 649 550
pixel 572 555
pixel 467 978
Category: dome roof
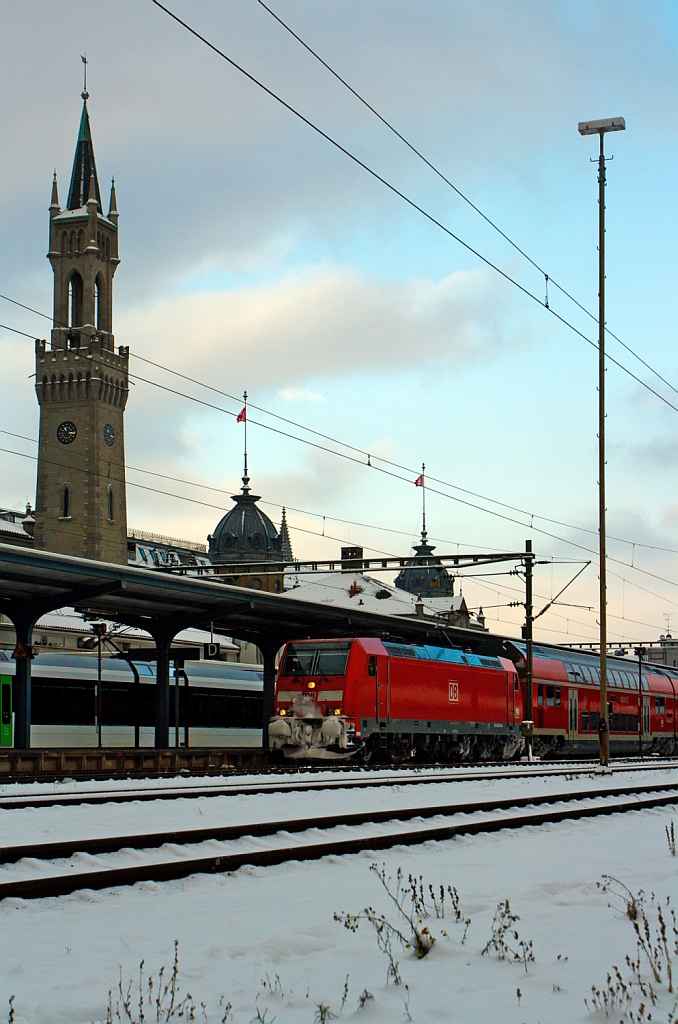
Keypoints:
pixel 245 533
pixel 429 578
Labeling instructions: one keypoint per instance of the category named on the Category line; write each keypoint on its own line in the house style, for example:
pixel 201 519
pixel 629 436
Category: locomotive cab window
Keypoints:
pixel 550 696
pixel 316 659
pixel 372 665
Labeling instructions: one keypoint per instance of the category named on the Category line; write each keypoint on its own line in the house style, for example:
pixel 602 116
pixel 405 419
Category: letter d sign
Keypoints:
pixel 211 652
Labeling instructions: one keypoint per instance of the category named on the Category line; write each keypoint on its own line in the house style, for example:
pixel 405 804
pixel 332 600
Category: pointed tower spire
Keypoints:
pixel 285 542
pixel 113 205
pixel 54 207
pixel 84 166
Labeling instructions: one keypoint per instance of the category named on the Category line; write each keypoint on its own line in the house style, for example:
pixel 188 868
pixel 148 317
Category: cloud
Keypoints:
pixel 323 321
pixel 300 395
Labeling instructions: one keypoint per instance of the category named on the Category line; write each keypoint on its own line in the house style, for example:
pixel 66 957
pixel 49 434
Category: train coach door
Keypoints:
pixel 647 732
pixel 6 737
pixel 573 714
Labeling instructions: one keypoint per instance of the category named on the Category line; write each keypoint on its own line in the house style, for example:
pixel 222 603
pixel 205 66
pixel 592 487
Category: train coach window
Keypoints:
pixel 660 705
pixel 615 723
pixel 557 696
pixel 584 721
pixel 372 665
pixel 593 721
pixel 550 696
pixel 540 695
pixel 623 723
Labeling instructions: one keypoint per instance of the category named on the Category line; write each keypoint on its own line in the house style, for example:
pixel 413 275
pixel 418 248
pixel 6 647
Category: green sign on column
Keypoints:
pixel 6 730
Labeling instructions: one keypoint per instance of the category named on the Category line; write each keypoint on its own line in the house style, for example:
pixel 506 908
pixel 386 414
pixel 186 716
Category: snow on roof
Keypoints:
pixel 8 527
pixel 353 589
pixel 69 620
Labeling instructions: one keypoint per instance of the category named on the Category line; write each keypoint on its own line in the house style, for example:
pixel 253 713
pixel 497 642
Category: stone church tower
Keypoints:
pixel 81 381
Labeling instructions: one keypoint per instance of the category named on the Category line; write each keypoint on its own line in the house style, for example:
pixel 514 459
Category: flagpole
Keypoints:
pixel 423 498
pixel 244 395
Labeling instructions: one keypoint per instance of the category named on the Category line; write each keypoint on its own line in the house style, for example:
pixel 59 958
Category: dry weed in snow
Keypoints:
pixel 160 1002
pixel 656 932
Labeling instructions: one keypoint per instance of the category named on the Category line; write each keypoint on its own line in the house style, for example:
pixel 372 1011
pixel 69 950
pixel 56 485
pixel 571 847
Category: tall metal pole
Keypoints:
pixel 603 723
pixel 529 686
pixel 613 124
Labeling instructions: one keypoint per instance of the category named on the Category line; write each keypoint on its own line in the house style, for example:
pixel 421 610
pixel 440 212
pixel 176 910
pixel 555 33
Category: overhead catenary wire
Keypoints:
pixel 361 451
pixel 548 279
pixel 410 202
pixel 196 501
pixel 397 476
pixel 371 458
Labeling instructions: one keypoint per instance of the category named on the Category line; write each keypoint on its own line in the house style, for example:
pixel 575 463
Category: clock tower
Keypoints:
pixel 80 379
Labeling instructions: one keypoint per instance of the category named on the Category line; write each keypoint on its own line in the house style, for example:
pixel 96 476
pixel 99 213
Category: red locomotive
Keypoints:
pixel 367 698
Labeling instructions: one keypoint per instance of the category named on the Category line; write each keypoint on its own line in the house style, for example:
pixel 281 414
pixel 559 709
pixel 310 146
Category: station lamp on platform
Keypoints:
pixel 601 128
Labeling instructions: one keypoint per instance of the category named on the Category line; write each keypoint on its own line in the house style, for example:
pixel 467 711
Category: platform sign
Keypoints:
pixel 6 738
pixel 211 652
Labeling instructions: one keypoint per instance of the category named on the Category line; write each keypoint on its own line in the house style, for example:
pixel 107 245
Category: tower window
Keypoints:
pixel 65 502
pixel 111 507
pixel 100 304
pixel 75 301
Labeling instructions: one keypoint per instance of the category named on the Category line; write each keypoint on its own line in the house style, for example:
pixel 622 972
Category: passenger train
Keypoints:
pixel 212 704
pixel 368 699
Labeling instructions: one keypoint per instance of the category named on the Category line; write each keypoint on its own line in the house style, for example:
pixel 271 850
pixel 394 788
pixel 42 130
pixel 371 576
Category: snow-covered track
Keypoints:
pixel 473 818
pixel 403 777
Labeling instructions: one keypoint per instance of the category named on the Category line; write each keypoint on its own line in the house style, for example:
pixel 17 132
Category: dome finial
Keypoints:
pixel 84 93
pixel 242 418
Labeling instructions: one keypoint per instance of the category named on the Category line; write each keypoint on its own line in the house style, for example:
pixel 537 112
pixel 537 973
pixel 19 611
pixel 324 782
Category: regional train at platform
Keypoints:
pixel 361 700
pixel 368 699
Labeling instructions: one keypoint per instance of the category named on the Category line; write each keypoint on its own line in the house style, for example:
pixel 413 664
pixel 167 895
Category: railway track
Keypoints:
pixel 289 840
pixel 403 777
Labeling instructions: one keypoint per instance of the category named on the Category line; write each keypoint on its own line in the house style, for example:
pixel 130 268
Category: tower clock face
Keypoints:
pixel 109 435
pixel 66 432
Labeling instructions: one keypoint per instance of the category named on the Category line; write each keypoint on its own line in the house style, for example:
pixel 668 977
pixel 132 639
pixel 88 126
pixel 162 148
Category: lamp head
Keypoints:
pixel 608 124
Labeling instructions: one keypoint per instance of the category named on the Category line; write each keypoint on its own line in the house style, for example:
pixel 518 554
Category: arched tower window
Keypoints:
pixel 101 303
pixel 75 301
pixel 111 505
pixel 65 501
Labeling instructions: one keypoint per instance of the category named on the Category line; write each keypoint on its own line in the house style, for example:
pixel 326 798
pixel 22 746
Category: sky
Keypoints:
pixel 257 256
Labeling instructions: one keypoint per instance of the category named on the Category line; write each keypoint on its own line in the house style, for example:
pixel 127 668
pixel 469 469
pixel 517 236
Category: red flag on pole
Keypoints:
pixel 419 482
pixel 242 415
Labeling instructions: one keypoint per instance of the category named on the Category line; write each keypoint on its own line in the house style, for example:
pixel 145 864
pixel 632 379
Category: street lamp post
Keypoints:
pixel 611 124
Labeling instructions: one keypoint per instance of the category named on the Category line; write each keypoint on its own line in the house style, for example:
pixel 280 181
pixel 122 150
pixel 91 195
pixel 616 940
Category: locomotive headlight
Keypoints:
pixel 282 712
pixel 311 686
pixel 337 711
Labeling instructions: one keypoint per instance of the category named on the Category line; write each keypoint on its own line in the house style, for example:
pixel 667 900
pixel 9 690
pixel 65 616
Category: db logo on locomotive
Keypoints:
pixel 454 692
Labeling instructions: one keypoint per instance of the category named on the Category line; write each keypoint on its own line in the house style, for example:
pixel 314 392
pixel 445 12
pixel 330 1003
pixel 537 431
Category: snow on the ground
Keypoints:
pixel 21 826
pixel 238 933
